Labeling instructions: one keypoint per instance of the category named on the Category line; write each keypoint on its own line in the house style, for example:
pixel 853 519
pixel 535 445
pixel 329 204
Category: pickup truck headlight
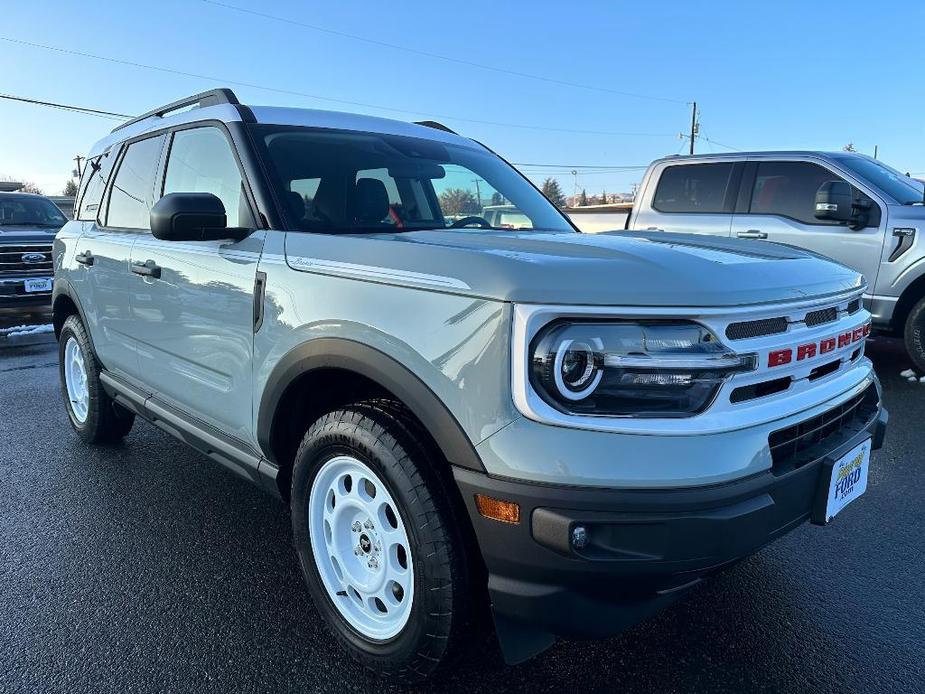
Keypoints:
pixel 631 368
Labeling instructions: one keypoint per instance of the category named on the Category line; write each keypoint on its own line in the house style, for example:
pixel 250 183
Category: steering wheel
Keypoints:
pixel 467 221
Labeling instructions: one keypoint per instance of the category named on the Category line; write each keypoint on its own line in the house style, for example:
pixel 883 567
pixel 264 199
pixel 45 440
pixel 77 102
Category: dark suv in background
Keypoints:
pixel 28 224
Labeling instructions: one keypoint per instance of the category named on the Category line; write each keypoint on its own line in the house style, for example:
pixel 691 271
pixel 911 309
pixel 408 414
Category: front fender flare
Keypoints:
pixel 339 353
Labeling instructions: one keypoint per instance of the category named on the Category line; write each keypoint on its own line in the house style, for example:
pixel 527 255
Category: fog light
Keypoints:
pixel 496 509
pixel 579 537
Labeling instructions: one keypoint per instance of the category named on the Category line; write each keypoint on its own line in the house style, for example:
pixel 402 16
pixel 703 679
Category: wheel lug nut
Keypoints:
pixel 368 525
pixel 356 526
pixel 357 550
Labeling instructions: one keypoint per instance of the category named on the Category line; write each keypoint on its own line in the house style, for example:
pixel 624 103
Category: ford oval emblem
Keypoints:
pixel 33 258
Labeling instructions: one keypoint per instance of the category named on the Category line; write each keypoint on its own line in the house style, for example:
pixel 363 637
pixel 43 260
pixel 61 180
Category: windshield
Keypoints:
pixel 900 187
pixel 29 211
pixel 351 182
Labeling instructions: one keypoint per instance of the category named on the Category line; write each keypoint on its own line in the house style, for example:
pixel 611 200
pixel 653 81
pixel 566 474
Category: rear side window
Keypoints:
pixel 132 192
pixel 94 181
pixel 788 189
pixel 693 188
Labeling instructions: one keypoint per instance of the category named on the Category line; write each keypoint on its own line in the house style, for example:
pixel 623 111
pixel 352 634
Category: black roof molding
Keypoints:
pixel 435 125
pixel 209 98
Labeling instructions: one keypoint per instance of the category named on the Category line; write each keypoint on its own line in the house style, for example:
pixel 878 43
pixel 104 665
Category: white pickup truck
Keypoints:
pixel 843 205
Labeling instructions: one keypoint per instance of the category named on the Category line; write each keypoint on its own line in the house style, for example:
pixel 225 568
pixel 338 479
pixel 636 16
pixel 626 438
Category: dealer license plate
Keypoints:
pixel 849 479
pixel 38 285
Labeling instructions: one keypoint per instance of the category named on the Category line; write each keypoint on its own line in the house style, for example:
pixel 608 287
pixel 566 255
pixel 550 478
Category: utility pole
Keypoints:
pixel 875 151
pixel 694 125
pixel 478 191
pixel 79 159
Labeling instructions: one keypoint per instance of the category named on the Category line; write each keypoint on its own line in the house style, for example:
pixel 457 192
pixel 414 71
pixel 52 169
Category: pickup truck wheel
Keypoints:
pixel 915 335
pixel 92 413
pixel 378 547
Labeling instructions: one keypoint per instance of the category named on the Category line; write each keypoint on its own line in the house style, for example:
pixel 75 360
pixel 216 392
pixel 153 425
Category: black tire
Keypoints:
pixel 385 439
pixel 106 422
pixel 915 335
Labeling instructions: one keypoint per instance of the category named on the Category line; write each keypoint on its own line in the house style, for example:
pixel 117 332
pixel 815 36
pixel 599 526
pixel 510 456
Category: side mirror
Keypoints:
pixel 192 217
pixel 834 201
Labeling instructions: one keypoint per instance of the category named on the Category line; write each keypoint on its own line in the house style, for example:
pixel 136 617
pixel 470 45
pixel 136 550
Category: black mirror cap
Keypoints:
pixel 191 217
pixel 834 201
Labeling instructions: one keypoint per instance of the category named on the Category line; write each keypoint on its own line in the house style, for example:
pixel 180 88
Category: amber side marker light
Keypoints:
pixel 496 509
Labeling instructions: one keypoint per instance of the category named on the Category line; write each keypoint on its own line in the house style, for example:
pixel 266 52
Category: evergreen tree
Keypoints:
pixel 583 200
pixel 553 192
pixel 70 188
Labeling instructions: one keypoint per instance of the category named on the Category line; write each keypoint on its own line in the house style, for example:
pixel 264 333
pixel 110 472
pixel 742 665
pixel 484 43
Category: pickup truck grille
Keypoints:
pixel 18 259
pixel 798 444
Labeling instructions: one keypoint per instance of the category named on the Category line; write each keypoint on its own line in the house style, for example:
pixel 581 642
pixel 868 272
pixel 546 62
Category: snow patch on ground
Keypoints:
pixel 911 376
pixel 20 330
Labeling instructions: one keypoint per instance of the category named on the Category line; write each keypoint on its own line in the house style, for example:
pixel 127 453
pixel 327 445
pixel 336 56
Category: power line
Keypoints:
pixel 66 107
pixel 290 92
pixel 556 168
pixel 439 56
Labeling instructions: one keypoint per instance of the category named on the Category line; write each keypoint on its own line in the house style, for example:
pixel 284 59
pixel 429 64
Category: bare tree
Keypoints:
pixel 29 187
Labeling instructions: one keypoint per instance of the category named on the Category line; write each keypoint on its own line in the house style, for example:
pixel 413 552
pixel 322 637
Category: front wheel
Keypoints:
pixel 378 546
pixel 915 335
pixel 92 413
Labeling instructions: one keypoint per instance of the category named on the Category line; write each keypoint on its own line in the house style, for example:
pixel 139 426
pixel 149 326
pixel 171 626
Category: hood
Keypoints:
pixel 612 269
pixel 10 234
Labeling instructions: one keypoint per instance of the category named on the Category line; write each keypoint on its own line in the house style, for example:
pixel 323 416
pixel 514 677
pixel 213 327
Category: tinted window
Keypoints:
pixel 901 188
pixel 693 188
pixel 30 211
pixel 788 189
pixel 96 176
pixel 201 161
pixel 132 192
pixel 367 182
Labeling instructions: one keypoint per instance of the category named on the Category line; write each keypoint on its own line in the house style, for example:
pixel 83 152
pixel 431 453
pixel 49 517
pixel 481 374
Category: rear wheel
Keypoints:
pixel 92 413
pixel 378 545
pixel 915 335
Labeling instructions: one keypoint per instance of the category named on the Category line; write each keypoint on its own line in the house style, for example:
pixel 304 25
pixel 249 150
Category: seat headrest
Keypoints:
pixel 296 204
pixel 370 203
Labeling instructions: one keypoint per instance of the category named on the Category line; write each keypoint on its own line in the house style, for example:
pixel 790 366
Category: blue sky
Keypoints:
pixel 765 75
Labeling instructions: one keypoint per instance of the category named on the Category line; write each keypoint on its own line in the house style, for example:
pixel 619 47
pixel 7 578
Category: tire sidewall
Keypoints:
pixel 915 335
pixel 73 328
pixel 370 451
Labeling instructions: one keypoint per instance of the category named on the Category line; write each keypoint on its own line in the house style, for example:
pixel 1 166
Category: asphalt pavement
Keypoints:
pixel 145 567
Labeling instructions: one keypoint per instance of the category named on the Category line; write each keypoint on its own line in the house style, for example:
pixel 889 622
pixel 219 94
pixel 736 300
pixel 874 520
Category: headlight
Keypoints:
pixel 641 369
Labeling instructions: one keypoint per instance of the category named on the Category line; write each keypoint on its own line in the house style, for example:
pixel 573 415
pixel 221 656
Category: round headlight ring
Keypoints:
pixel 575 371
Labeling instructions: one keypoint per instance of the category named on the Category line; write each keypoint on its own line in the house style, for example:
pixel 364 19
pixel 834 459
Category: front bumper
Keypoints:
pixel 15 299
pixel 644 546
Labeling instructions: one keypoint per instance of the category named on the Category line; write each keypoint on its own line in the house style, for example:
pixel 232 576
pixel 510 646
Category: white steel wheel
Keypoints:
pixel 75 380
pixel 361 548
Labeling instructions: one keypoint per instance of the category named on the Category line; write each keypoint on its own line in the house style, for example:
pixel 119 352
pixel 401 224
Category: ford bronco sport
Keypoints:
pixel 577 427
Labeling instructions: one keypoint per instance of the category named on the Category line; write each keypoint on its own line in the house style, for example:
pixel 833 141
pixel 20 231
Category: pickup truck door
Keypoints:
pixel 696 198
pixel 777 203
pixel 193 310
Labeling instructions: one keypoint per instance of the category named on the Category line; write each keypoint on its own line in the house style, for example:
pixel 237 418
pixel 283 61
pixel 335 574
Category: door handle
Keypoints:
pixel 147 268
pixel 752 234
pixel 85 258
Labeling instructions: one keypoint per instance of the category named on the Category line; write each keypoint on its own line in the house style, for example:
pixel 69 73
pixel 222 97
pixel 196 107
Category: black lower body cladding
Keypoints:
pixel 641 548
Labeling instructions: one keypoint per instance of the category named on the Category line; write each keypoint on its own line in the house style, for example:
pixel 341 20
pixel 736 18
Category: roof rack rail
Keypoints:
pixel 435 125
pixel 209 98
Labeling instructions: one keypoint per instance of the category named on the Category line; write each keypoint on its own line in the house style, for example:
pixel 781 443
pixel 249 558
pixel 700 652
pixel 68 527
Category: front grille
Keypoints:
pixel 12 263
pixel 854 306
pixel 825 315
pixel 756 328
pixel 801 443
